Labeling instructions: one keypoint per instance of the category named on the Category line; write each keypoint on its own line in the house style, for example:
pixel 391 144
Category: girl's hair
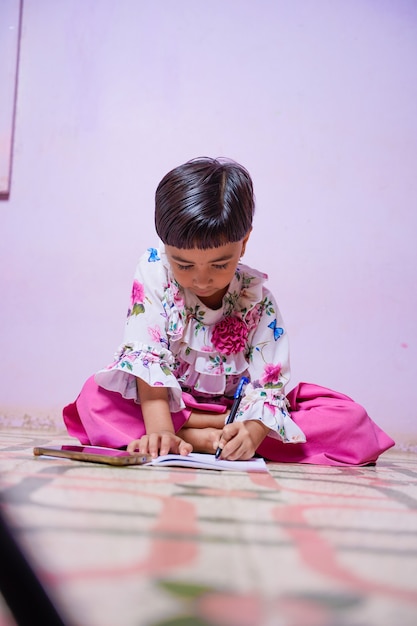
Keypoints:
pixel 205 203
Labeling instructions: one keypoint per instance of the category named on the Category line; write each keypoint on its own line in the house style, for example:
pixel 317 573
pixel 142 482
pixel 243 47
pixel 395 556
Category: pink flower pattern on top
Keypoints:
pixel 155 333
pixel 253 316
pixel 271 375
pixel 138 292
pixel 137 299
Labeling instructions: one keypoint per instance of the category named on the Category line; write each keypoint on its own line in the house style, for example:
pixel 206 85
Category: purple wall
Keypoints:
pixel 317 99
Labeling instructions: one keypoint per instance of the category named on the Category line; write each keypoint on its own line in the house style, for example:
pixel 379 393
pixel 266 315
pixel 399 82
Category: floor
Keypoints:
pixel 299 546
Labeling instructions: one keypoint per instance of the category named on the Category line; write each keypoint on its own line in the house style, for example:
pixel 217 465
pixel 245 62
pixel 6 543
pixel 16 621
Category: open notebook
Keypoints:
pixel 112 456
pixel 208 461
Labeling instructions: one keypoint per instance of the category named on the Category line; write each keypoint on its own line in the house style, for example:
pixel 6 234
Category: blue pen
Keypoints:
pixel 236 401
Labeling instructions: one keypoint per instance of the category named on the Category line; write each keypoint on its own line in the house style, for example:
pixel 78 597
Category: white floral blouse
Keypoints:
pixel 173 340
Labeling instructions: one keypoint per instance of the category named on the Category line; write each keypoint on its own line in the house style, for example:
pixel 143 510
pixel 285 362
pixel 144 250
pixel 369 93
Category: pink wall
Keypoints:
pixel 317 99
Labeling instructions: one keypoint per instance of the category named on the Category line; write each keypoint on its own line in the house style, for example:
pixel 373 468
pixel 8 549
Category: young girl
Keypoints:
pixel 198 321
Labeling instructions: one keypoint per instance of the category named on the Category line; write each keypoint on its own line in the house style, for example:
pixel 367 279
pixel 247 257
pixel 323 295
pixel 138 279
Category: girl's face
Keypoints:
pixel 207 273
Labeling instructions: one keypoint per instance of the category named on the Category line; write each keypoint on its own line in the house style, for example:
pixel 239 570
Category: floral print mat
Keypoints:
pixel 300 546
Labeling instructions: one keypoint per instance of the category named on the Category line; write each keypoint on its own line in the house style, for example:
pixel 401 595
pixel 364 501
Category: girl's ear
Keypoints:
pixel 244 242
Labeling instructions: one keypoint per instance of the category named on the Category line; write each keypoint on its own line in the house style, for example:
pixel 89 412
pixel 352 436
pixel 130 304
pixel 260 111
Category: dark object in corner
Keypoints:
pixel 21 589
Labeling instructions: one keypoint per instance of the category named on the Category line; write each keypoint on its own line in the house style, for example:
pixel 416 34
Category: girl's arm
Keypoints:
pixel 203 419
pixel 160 435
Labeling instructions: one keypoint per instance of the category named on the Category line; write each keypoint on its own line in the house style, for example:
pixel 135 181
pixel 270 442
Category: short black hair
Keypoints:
pixel 204 203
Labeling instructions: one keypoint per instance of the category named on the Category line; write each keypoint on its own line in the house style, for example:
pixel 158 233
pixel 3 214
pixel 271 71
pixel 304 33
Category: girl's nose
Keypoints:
pixel 201 279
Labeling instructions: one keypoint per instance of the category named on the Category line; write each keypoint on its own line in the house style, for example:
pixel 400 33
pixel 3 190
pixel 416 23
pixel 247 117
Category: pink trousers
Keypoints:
pixel 337 429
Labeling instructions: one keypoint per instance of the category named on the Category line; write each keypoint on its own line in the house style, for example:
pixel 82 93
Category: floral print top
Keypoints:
pixel 173 340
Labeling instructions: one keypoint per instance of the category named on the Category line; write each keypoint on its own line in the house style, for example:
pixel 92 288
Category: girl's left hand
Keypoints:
pixel 240 440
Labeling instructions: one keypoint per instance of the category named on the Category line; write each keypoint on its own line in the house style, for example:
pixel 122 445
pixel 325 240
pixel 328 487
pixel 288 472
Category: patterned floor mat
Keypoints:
pixel 137 546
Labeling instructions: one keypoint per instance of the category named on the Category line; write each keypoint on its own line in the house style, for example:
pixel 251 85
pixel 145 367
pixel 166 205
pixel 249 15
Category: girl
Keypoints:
pixel 198 321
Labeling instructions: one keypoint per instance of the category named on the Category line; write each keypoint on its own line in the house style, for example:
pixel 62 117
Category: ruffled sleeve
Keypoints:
pixel 271 408
pixel 269 371
pixel 152 320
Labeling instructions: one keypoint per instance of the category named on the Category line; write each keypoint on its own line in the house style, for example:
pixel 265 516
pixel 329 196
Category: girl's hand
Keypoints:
pixel 240 440
pixel 160 443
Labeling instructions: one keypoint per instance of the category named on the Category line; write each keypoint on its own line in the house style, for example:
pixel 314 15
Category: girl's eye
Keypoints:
pixel 184 267
pixel 220 267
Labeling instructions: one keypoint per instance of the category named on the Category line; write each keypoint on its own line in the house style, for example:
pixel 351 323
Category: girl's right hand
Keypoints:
pixel 161 443
pixel 240 440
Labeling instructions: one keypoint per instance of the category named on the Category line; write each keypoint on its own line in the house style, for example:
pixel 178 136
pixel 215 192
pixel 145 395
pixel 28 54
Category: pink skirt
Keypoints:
pixel 338 430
